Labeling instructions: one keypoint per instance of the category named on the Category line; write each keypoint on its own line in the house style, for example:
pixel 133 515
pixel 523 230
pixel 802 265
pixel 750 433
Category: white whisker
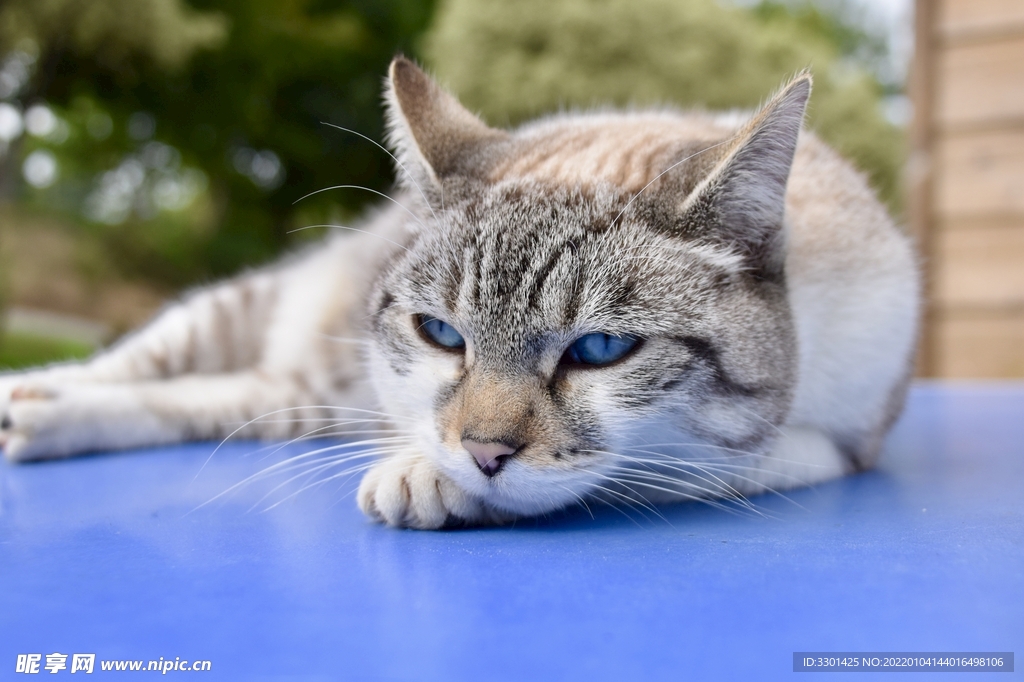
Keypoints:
pixel 394 158
pixel 390 198
pixel 350 229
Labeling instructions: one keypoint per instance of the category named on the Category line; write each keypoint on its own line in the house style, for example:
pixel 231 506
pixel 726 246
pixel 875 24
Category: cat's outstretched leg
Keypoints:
pixel 408 491
pixel 216 330
pixel 46 421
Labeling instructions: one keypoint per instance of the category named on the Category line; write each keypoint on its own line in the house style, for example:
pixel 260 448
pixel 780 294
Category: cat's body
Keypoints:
pixel 764 351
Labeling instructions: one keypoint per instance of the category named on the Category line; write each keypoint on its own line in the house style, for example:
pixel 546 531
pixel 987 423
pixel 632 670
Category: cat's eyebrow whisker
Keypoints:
pixel 390 198
pixel 350 229
pixel 394 158
pixel 674 165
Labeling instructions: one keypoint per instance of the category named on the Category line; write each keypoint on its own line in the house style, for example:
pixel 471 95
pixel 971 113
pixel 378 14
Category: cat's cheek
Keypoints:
pixel 411 393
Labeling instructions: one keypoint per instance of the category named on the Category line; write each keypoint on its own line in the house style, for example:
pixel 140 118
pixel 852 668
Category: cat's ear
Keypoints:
pixel 742 201
pixel 433 135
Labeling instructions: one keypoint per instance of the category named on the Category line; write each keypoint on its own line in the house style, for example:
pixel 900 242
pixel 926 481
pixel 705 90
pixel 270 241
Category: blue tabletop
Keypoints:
pixel 109 555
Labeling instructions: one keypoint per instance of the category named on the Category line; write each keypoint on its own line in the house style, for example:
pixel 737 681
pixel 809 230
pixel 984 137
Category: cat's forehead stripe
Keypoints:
pixel 628 152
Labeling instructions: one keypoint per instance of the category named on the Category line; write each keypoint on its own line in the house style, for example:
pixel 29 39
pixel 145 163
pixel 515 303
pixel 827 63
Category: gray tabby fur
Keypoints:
pixel 776 301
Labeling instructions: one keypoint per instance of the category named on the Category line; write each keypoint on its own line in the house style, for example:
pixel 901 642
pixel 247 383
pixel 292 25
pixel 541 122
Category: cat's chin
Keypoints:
pixel 524 491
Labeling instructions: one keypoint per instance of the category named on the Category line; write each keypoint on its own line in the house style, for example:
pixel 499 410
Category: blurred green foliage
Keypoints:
pixel 186 130
pixel 514 60
pixel 18 350
pixel 112 31
pixel 237 89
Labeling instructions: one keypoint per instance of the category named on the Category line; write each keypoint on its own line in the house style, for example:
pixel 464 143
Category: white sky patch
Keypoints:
pixel 11 123
pixel 40 169
pixel 40 121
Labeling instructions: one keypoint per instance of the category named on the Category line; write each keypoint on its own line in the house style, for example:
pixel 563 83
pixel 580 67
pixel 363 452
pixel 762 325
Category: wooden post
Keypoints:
pixel 920 173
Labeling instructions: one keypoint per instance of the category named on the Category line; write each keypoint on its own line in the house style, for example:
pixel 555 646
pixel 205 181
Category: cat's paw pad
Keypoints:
pixel 409 492
pixel 30 392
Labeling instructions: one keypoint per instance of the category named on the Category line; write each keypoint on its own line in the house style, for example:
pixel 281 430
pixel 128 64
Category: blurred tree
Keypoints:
pixel 514 60
pixel 112 31
pixel 215 105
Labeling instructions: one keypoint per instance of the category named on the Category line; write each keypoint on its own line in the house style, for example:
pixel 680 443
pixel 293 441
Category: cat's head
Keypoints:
pixel 537 333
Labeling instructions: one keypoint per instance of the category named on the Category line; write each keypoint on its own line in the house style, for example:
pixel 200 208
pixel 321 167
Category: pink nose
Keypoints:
pixel 489 456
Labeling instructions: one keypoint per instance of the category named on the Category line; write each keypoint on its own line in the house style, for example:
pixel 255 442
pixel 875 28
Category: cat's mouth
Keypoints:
pixel 524 481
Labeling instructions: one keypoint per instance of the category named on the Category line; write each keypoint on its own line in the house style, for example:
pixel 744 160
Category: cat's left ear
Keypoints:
pixel 433 134
pixel 742 201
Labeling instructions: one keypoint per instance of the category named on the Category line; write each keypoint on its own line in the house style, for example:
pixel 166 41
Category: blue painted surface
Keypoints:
pixel 102 555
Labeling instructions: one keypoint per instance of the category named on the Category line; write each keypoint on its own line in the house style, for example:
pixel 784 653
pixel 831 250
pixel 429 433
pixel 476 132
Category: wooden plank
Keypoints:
pixel 971 345
pixel 980 174
pixel 957 16
pixel 981 267
pixel 987 221
pixel 920 165
pixel 981 84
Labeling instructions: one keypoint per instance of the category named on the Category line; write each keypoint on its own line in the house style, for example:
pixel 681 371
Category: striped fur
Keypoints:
pixel 775 300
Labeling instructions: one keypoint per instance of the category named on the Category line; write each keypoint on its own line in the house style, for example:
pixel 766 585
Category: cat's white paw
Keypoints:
pixel 44 421
pixel 30 413
pixel 407 491
pixel 23 388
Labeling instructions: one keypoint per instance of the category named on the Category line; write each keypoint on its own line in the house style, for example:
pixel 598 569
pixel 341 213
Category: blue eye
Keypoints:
pixel 441 333
pixel 599 349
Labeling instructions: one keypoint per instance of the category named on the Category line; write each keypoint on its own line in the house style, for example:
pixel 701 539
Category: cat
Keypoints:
pixel 629 307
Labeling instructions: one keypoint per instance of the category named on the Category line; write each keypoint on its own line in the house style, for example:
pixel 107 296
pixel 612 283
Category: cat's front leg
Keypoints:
pixel 408 491
pixel 45 421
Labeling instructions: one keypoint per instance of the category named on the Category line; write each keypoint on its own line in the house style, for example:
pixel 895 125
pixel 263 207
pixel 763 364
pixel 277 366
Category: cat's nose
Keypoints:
pixel 489 456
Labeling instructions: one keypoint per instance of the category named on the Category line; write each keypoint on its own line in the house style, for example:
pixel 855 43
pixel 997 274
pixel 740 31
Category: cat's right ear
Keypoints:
pixel 433 135
pixel 742 201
